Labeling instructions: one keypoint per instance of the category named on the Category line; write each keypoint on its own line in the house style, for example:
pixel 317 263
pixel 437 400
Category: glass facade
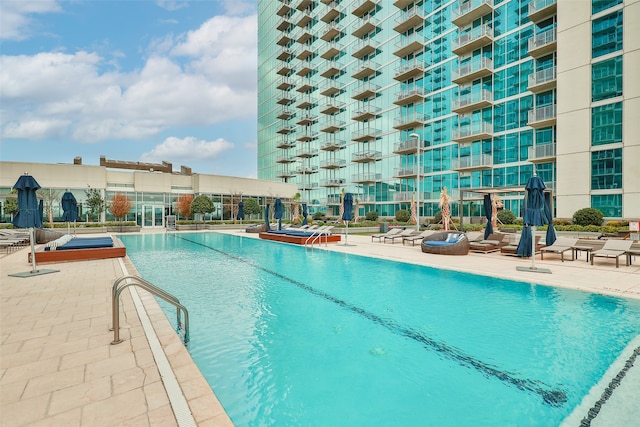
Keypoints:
pixel 606 124
pixel 606 79
pixel 607 34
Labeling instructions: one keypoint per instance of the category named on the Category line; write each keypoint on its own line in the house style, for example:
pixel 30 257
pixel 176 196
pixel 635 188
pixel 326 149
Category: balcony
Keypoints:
pixel 285 55
pixel 332 106
pixel 408 96
pixel 330 32
pixel 330 69
pixel 306 102
pixel 332 182
pixel 401 4
pixel 304 52
pixel 305 18
pixel 543 80
pixel 332 49
pixel 476 100
pixel 409 18
pixel 472 40
pixel 543 43
pixel 331 12
pixel 410 69
pixel 542 9
pixel 542 117
pixel 332 125
pixel 472 163
pixel 284 68
pixel 303 35
pixel 473 132
pixel 333 145
pixel 465 13
pixel 366 112
pixel 406 147
pixel 411 120
pixel 305 85
pixel 285 83
pixel 307 119
pixel 333 164
pixel 364 6
pixel 307 136
pixel 366 156
pixel 365 47
pixel 333 199
pixel 364 26
pixel 365 135
pixel 362 69
pixel 406 172
pixel 286 143
pixel 365 90
pixel 306 153
pixel 409 44
pixel 364 178
pixel 285 114
pixel 285 159
pixel 285 98
pixel 306 170
pixel 305 69
pixel 285 173
pixel 284 24
pixel 284 40
pixel 286 129
pixel 331 88
pixel 304 4
pixel 285 7
pixel 543 153
pixel 477 68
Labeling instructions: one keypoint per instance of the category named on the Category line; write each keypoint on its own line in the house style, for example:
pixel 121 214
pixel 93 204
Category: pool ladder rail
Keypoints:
pixel 119 286
pixel 317 237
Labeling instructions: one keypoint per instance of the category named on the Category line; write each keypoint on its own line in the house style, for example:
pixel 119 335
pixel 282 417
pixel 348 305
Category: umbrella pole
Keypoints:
pixel 346 236
pixel 32 236
pixel 533 247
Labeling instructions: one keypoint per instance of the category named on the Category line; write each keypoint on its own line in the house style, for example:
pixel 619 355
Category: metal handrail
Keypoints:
pixel 116 290
pixel 317 236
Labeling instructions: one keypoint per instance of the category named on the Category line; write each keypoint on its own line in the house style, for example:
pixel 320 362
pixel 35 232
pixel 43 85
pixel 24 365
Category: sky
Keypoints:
pixel 134 80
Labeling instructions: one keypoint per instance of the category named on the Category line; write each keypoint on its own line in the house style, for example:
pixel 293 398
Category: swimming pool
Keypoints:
pixel 293 337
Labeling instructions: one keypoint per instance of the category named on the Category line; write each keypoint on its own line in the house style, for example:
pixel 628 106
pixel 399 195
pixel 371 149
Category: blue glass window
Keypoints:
pixel 606 124
pixel 606 79
pixel 600 5
pixel 606 169
pixel 607 34
pixel 609 204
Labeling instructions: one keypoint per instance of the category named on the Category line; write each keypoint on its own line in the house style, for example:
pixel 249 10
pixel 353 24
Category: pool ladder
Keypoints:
pixel 138 281
pixel 317 238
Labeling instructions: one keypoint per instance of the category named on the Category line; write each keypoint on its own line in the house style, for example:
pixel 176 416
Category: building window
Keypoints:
pixel 606 124
pixel 607 34
pixel 609 204
pixel 606 79
pixel 606 169
pixel 598 6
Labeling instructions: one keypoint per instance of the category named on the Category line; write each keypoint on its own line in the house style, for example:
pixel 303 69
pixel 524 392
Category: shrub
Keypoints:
pixel 588 216
pixel 437 218
pixel 318 216
pixel 506 216
pixel 403 215
pixel 372 216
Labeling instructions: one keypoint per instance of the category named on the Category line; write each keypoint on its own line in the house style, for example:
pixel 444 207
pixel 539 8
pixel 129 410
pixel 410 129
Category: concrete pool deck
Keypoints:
pixel 58 367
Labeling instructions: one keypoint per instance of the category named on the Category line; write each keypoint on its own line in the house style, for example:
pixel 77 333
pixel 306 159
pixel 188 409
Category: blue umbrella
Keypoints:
pixel 266 216
pixel 551 232
pixel 278 211
pixel 533 216
pixel 488 230
pixel 524 246
pixel 240 215
pixel 304 214
pixel 28 215
pixel 347 215
pixel 69 207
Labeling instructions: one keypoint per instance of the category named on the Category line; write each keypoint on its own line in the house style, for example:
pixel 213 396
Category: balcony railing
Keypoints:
pixel 466 12
pixel 332 106
pixel 331 69
pixel 409 19
pixel 542 117
pixel 478 67
pixel 366 156
pixel 333 145
pixel 307 152
pixel 365 135
pixel 364 178
pixel 330 31
pixel 406 147
pixel 474 162
pixel 543 43
pixel 542 153
pixel 333 163
pixel 410 95
pixel 542 80
pixel 362 69
pixel 336 182
pixel 472 40
pixel 475 100
pixel 406 171
pixel 409 69
pixel 332 49
pixel 365 90
pixel 410 120
pixel 473 132
pixel 364 26
pixel 365 47
pixel 332 125
pixel 541 9
pixel 360 7
pixel 409 44
pixel 365 112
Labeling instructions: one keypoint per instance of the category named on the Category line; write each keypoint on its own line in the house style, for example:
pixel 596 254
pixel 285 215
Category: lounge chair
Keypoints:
pixel 513 249
pixel 404 233
pixel 491 244
pixel 613 249
pixel 387 234
pixel 417 238
pixel 560 246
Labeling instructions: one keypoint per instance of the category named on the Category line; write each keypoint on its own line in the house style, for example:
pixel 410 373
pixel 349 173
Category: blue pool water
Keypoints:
pixel 287 336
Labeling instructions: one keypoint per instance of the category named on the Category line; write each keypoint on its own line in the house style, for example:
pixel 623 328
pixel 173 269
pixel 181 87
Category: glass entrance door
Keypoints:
pixel 152 216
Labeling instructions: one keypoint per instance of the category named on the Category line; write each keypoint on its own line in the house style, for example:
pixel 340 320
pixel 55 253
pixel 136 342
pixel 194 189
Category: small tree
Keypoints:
pixel 251 207
pixel 49 196
pixel 202 205
pixel 372 216
pixel 506 216
pixel 588 216
pixel 183 205
pixel 120 206
pixel 94 201
pixel 403 215
pixel 11 205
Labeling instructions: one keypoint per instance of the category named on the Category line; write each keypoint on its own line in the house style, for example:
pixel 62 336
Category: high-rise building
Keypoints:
pixel 392 100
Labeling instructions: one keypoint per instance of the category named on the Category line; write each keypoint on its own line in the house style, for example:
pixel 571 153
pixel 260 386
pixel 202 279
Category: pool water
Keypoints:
pixel 287 336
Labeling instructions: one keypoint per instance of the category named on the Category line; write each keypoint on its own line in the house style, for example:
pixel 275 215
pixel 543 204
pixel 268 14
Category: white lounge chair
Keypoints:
pixel 404 233
pixel 389 233
pixel 417 238
pixel 612 249
pixel 560 246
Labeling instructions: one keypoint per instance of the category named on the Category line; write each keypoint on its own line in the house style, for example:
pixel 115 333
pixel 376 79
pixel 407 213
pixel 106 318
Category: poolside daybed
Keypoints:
pixel 81 249
pixel 446 243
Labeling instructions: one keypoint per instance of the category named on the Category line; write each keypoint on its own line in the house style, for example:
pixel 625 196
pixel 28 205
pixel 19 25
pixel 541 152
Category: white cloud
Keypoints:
pixel 171 4
pixel 185 150
pixel 15 16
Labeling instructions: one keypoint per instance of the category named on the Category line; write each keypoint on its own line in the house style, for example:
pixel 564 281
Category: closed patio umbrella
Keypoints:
pixel 534 216
pixel 29 216
pixel 69 209
pixel 278 211
pixel 304 214
pixel 266 217
pixel 551 231
pixel 240 214
pixel 347 215
pixel 488 212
